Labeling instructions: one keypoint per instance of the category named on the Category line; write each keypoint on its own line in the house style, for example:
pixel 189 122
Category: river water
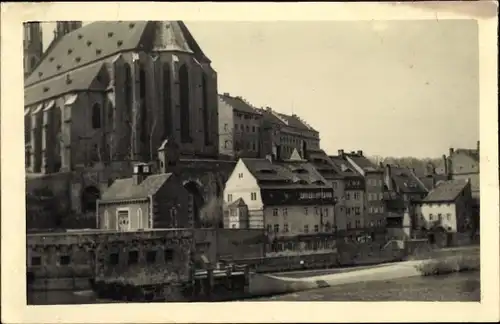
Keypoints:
pixel 455 287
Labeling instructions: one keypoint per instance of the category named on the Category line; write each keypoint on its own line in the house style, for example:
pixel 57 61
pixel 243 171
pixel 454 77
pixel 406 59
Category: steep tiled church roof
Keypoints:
pixel 103 39
pixel 88 44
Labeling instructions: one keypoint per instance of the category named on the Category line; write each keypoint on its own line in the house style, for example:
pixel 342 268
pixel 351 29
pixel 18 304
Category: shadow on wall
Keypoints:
pixel 211 213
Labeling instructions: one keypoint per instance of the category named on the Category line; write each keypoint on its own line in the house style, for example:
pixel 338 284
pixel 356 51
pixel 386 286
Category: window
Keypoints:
pixel 229 197
pixel 276 228
pixel 114 258
pixel 356 196
pixel 348 211
pixel 348 225
pixel 206 116
pixel 285 228
pixel 285 212
pixel 316 228
pixel 334 185
pixel 144 104
pixel 254 147
pixel 184 104
pixel 226 127
pixel 316 210
pixel 326 212
pixel 357 211
pixel 380 222
pixel 96 116
pixel 253 129
pixel 347 196
pixel 36 261
pixel 248 129
pixel 381 209
pixel 306 228
pixel 431 217
pixel 372 224
pixel 240 175
pixel 123 220
pixel 358 224
pixel 168 254
pixel 106 220
pixel 140 223
pixel 167 102
pixel 269 228
pixel 233 225
pixel 306 211
pixel 448 216
pixel 64 259
pixel 275 212
pixel 151 257
pixel 253 196
pixel 133 257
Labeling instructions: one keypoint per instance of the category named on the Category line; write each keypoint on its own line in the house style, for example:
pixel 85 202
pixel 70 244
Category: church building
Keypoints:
pixel 114 91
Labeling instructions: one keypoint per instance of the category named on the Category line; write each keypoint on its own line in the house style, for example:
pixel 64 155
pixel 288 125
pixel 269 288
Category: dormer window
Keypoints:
pixel 51 59
pixel 110 34
pixel 45 89
pixel 145 169
pixel 78 59
pixel 40 74
pixel 58 66
pixel 80 36
pixel 89 43
pixel 119 43
pixel 131 25
pixel 70 51
pixel 98 51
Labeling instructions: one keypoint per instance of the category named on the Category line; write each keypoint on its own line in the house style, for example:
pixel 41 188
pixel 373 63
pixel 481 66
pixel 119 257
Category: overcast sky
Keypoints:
pixel 391 88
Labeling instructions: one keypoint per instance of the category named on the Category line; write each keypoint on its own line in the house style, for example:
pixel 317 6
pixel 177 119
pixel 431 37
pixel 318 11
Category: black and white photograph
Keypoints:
pixel 222 161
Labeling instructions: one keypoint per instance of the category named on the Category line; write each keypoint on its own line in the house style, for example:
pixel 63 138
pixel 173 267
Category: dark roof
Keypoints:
pixel 344 167
pixel 239 104
pixel 238 203
pixel 102 39
pixel 406 181
pixel 294 121
pixel 432 179
pixel 289 174
pixel 81 79
pixel 270 117
pixel 124 189
pixel 363 162
pixel 84 42
pixel 446 191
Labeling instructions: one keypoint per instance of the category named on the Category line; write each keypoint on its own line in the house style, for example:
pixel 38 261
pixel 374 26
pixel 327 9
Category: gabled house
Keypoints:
pixel 402 190
pixel 288 198
pixel 446 209
pixel 145 201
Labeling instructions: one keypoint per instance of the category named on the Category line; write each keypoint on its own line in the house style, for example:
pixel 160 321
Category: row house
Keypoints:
pixel 445 212
pixel 290 132
pixel 374 187
pixel 464 164
pixel 403 189
pixel 240 129
pixel 287 197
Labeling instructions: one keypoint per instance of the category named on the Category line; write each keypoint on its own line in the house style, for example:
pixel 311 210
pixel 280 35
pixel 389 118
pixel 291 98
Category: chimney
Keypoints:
pixel 445 164
pixel 451 151
pixel 360 153
pixel 477 146
pixel 450 168
pixel 141 172
pixel 226 94
pixel 388 175
pixel 341 153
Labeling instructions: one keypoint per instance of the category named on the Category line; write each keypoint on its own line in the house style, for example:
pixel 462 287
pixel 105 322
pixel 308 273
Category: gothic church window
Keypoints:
pixel 143 102
pixel 184 104
pixel 205 109
pixel 167 102
pixel 128 90
pixel 96 116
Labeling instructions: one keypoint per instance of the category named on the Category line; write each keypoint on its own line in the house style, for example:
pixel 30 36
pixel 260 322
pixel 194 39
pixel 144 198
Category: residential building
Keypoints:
pixel 402 189
pixel 374 190
pixel 462 164
pixel 145 201
pixel 113 91
pixel 431 178
pixel 350 194
pixel 239 127
pixel 288 131
pixel 446 209
pixel 288 198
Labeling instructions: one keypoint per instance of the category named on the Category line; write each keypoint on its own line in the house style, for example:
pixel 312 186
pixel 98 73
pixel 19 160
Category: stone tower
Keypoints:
pixel 33 46
pixel 66 27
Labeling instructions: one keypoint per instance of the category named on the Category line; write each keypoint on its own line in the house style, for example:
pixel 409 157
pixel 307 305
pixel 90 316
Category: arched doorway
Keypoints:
pixel 90 195
pixel 197 201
